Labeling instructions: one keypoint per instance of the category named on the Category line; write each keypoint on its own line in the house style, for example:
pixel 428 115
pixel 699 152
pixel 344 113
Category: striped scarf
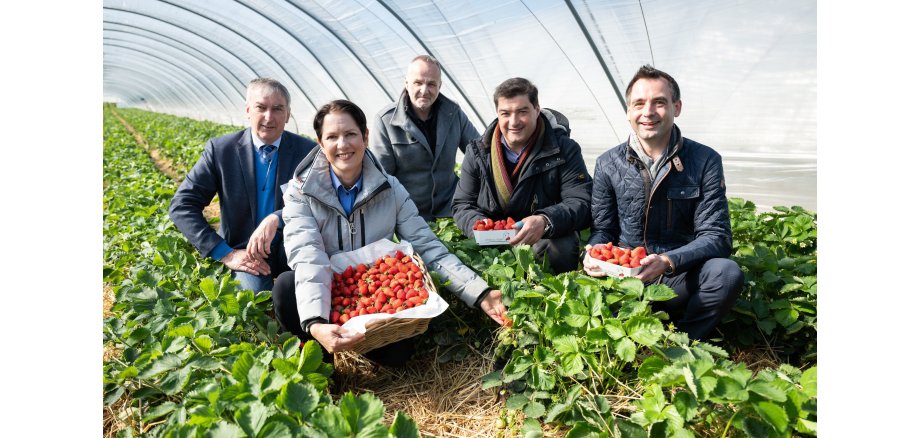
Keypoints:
pixel 505 182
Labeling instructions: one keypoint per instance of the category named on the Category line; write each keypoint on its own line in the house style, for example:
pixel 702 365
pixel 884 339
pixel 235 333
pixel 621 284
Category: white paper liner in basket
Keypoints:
pixel 367 254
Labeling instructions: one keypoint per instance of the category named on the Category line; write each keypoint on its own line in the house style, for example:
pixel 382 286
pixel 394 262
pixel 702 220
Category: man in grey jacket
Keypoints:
pixel 416 139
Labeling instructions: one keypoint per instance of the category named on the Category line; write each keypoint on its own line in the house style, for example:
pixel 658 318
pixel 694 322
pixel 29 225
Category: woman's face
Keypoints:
pixel 343 144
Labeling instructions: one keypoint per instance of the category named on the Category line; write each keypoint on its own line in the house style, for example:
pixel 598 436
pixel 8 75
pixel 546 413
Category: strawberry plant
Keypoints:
pixel 179 139
pixel 192 355
pixel 777 251
pixel 576 341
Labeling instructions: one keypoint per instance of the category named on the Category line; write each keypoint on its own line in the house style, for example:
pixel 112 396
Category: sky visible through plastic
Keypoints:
pixel 747 69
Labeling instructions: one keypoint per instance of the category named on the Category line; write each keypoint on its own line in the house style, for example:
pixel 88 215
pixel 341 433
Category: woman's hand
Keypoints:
pixel 493 306
pixel 334 338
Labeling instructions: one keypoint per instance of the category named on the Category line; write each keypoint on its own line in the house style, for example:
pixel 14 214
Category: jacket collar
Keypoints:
pixel 445 110
pixel 313 179
pixel 549 145
pixel 675 145
pixel 286 163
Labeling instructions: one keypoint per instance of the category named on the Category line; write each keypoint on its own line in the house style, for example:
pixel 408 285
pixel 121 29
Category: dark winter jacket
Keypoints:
pixel 683 213
pixel 556 183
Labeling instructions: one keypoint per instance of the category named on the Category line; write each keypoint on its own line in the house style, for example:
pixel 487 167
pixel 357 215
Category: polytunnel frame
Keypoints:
pixel 597 52
pixel 266 52
pixel 131 57
pixel 299 41
pixel 254 71
pixel 207 89
pixel 166 96
pixel 220 89
pixel 347 46
pixel 233 54
pixel 153 91
pixel 225 72
pixel 457 84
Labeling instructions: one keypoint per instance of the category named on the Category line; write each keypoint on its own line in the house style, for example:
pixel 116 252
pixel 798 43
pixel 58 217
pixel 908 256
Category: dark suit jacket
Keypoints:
pixel 226 168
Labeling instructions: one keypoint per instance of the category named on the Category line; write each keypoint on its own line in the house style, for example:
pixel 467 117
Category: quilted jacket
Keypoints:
pixel 682 213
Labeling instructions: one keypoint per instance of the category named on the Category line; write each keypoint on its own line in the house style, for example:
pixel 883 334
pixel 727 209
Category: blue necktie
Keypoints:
pixel 266 151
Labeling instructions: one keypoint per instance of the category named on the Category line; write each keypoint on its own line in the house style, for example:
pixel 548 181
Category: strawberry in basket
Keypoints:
pixel 388 285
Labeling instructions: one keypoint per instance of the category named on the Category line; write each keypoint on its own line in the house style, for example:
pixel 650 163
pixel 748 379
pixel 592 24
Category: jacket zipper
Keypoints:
pixel 648 205
pixel 338 222
pixel 341 215
pixel 352 230
pixel 363 234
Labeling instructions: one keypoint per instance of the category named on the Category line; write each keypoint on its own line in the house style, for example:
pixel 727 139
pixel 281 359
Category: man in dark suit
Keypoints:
pixel 245 170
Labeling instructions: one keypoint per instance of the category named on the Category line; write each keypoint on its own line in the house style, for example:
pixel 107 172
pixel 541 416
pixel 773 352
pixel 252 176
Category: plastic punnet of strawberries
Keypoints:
pixel 490 225
pixel 628 258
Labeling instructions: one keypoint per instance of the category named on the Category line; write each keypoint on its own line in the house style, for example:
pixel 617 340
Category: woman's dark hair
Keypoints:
pixel 339 106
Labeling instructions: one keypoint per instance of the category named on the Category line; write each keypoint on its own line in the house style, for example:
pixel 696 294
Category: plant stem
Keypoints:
pixel 727 425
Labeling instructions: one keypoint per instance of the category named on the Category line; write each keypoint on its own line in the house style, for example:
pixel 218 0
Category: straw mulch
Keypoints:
pixel 757 358
pixel 444 399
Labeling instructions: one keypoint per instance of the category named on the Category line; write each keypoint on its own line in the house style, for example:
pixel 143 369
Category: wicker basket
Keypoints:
pixel 387 331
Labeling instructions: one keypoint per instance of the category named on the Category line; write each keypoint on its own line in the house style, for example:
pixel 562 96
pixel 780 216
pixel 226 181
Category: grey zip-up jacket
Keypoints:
pixel 316 227
pixel 404 152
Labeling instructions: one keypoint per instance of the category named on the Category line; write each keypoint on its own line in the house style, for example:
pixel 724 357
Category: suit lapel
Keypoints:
pixel 247 168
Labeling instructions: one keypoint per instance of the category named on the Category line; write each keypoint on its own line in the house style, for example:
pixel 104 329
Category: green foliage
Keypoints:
pixel 578 342
pixel 196 355
pixel 199 357
pixel 179 139
pixel 777 250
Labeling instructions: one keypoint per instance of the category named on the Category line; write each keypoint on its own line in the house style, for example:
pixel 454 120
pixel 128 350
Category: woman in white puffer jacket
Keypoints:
pixel 340 199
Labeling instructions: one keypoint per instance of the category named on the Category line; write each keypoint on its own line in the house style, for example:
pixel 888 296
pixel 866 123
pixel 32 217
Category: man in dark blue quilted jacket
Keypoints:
pixel 667 193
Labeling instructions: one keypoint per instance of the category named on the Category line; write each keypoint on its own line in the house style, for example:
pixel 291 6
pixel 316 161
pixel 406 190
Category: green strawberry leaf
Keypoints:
pixel 809 382
pixel 251 417
pixel 299 400
pixel 403 426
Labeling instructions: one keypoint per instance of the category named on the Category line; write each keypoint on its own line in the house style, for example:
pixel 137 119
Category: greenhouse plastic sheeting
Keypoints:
pixel 747 69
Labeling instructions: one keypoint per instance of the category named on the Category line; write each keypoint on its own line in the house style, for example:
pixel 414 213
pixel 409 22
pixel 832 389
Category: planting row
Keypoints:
pixel 588 355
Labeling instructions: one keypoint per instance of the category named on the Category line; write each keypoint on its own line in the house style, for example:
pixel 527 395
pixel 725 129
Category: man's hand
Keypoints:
pixel 493 306
pixel 653 266
pixel 530 232
pixel 591 268
pixel 260 242
pixel 239 260
pixel 334 338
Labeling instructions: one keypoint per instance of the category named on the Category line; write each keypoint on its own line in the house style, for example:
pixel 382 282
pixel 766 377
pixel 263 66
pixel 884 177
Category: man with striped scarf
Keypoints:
pixel 526 167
